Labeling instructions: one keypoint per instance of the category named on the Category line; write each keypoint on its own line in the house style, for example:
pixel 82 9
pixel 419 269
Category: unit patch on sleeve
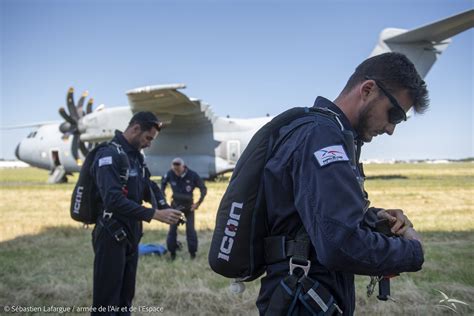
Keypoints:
pixel 105 161
pixel 330 154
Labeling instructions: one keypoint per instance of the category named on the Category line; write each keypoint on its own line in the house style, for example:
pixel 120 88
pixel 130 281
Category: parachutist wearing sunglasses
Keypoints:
pixel 314 181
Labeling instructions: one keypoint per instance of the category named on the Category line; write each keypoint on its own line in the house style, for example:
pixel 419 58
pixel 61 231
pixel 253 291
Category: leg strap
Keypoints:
pixel 317 299
pixel 284 297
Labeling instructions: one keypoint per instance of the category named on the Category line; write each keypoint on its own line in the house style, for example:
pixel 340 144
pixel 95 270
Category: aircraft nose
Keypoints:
pixel 17 151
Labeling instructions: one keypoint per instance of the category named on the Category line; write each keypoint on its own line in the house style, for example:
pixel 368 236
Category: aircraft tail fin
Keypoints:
pixel 425 44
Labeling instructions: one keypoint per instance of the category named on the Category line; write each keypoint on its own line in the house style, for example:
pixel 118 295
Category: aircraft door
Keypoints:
pixel 233 150
pixel 55 161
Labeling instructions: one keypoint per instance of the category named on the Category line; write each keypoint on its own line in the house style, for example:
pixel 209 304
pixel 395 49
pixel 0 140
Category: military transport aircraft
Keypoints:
pixel 210 144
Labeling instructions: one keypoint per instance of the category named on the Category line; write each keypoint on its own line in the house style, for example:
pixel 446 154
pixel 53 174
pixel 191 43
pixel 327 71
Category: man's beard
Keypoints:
pixel 135 142
pixel 362 126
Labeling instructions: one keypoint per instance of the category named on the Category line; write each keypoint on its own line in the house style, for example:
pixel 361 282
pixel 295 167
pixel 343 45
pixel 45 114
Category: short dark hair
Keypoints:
pixel 146 120
pixel 396 72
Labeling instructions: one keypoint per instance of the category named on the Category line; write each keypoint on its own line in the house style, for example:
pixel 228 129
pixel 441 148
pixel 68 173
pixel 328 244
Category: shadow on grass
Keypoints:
pixel 386 177
pixel 55 266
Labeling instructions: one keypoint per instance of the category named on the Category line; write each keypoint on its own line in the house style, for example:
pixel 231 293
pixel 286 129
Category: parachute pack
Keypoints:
pixel 84 204
pixel 240 240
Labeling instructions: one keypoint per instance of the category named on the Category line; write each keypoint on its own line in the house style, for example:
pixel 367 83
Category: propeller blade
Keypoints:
pixel 83 148
pixel 80 104
pixel 89 106
pixel 70 104
pixel 74 146
pixel 66 117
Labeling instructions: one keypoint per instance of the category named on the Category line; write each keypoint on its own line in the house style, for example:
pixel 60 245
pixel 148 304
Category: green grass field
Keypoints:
pixel 46 257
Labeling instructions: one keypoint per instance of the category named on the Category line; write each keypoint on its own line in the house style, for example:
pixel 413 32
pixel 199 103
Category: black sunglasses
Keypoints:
pixel 396 114
pixel 156 124
pixel 176 164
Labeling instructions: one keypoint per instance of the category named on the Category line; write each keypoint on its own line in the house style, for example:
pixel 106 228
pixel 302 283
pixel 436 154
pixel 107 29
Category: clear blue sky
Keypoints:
pixel 245 58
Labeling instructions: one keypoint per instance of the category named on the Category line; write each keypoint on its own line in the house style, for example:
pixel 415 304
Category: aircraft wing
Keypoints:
pixel 20 126
pixel 188 128
pixel 425 44
pixel 170 105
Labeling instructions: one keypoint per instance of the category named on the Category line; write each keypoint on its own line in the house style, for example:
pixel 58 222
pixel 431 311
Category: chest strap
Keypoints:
pixel 278 248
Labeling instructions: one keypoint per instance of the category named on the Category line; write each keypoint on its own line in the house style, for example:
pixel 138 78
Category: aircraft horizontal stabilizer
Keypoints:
pixel 437 31
pixel 425 44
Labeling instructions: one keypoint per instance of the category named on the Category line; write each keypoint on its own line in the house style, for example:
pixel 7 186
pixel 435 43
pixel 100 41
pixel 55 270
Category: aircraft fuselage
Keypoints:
pixel 209 150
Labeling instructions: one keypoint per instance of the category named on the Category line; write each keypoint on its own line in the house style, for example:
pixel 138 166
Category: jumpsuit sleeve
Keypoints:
pixel 107 177
pixel 370 217
pixel 160 198
pixel 164 182
pixel 330 203
pixel 202 187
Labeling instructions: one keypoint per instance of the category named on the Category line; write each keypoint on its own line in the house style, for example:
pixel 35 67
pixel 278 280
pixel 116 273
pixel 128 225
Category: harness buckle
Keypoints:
pixel 338 309
pixel 107 215
pixel 120 235
pixel 305 268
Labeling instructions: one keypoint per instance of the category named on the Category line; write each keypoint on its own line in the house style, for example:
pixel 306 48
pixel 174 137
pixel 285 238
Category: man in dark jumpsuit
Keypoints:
pixel 310 181
pixel 183 181
pixel 118 229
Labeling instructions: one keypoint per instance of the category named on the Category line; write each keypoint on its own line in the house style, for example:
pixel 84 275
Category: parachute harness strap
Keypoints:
pixel 299 259
pixel 304 292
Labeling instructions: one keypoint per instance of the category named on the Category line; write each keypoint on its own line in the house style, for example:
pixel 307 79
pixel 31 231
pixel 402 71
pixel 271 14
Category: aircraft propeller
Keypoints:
pixel 71 124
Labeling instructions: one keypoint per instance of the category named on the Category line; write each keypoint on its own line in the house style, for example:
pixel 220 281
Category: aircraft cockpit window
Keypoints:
pixel 31 135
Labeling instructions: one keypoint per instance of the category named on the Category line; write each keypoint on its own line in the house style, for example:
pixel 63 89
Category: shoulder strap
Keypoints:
pixel 124 163
pixel 117 146
pixel 274 143
pixel 279 248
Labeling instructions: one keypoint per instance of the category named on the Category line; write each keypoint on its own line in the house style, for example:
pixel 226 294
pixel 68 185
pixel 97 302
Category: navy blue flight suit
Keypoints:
pixel 115 262
pixel 326 197
pixel 183 187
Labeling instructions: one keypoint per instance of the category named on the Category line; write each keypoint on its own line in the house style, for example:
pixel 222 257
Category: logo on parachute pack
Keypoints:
pixel 78 200
pixel 230 231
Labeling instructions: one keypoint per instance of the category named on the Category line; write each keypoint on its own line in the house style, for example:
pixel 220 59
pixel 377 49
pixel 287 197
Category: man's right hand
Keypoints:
pixel 167 215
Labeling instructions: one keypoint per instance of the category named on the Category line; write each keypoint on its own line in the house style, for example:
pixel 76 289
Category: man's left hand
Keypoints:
pixel 194 207
pixel 398 221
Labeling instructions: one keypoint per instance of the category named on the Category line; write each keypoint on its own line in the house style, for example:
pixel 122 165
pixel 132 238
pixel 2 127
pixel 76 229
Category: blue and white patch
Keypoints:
pixel 133 172
pixel 105 161
pixel 331 154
